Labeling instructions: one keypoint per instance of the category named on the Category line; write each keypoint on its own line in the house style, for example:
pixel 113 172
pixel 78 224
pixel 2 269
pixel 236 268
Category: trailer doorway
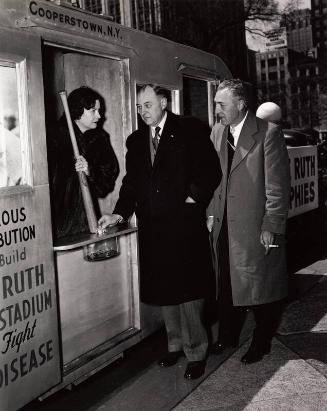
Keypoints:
pixel 98 301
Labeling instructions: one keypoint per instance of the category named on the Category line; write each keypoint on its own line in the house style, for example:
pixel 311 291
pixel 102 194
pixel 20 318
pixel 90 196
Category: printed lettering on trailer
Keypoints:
pixel 28 319
pixel 63 18
pixel 304 179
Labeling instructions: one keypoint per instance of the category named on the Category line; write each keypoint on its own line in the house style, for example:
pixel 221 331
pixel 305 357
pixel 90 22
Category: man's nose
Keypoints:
pixel 142 110
pixel 98 115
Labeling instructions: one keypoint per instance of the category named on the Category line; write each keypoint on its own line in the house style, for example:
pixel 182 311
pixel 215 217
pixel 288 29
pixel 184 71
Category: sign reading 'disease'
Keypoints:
pixel 304 179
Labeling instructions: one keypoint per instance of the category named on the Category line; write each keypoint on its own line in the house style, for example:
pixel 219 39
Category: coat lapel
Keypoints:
pixel 145 137
pixel 245 141
pixel 222 149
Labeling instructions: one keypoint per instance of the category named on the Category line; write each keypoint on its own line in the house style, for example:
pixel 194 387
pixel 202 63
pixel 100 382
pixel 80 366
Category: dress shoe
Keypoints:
pixel 255 354
pixel 170 359
pixel 195 369
pixel 221 346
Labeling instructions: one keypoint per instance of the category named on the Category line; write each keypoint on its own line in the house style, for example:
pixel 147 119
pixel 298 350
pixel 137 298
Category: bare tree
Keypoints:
pixel 203 23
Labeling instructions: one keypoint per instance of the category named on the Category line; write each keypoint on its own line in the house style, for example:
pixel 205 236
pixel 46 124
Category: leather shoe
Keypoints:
pixel 170 359
pixel 255 354
pixel 195 369
pixel 220 346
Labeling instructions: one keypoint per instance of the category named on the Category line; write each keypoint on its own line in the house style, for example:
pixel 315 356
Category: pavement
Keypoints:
pixel 292 377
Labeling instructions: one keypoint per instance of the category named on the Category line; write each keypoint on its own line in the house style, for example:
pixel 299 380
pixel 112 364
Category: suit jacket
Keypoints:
pixel 256 194
pixel 175 262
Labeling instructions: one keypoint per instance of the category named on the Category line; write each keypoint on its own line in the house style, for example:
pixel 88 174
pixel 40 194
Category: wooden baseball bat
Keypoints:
pixel 87 199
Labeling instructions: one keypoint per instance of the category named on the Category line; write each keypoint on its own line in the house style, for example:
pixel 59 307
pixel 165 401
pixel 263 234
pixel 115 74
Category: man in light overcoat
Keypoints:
pixel 247 218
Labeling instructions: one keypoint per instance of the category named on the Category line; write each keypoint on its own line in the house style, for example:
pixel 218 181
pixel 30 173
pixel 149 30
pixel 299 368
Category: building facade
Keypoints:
pixel 289 73
pixel 215 26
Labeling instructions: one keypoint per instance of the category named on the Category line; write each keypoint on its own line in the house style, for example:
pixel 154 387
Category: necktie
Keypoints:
pixel 155 139
pixel 230 139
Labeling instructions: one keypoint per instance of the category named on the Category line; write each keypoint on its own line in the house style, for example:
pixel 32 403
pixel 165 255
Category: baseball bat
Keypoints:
pixel 87 199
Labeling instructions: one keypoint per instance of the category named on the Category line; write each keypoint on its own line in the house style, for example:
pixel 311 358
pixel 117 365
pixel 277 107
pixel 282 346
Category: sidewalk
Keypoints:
pixel 292 377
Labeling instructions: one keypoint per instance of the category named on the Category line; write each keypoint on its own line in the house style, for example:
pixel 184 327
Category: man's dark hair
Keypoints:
pixel 159 90
pixel 80 99
pixel 236 86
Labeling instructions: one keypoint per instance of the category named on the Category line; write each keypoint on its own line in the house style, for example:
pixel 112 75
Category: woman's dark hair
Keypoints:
pixel 80 99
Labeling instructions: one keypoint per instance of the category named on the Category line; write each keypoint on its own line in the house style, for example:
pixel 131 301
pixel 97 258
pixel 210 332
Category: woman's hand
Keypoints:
pixel 82 165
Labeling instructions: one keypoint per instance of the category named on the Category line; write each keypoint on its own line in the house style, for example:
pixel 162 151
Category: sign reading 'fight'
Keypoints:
pixel 304 179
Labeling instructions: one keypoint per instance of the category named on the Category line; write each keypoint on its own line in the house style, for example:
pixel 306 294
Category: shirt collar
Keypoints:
pixel 236 131
pixel 161 125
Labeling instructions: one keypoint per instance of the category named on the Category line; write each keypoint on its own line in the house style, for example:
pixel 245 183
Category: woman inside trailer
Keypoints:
pixel 97 159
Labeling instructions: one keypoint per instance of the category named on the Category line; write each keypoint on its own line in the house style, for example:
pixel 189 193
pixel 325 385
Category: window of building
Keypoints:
pixel 274 89
pixel 282 74
pixel 281 60
pixel 273 75
pixel 94 6
pixel 272 62
pixel 13 144
pixel 295 104
pixel 263 77
pixel 263 63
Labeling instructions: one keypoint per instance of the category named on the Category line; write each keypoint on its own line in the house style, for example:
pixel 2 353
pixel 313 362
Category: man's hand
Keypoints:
pixel 108 220
pixel 267 239
pixel 210 220
pixel 81 165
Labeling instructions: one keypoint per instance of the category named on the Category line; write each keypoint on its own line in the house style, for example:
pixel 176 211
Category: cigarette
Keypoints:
pixel 273 246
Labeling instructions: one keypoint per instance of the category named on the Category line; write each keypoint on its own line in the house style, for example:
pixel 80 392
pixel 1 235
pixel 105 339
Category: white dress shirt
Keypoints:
pixel 236 131
pixel 161 125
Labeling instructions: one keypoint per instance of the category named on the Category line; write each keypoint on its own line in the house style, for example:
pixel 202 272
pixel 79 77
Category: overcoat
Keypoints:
pixel 174 249
pixel 256 194
pixel 66 197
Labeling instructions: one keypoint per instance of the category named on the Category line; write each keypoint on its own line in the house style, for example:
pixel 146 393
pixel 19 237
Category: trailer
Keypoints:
pixel 62 316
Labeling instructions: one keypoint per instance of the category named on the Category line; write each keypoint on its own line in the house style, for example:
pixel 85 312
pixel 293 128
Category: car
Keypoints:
pixel 295 138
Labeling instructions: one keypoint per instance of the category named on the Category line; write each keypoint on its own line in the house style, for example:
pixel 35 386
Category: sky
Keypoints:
pixel 257 43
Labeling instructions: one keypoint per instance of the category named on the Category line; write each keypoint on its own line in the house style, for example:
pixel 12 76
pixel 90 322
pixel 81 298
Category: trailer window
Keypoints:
pixel 195 98
pixel 11 153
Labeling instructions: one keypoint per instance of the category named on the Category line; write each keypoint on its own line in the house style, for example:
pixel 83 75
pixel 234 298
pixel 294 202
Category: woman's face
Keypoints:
pixel 89 119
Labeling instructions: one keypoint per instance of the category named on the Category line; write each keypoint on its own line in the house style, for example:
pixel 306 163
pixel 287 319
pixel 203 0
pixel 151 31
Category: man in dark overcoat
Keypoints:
pixel 172 170
pixel 247 216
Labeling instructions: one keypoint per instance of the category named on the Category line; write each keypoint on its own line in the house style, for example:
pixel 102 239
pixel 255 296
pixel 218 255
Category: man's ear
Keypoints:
pixel 163 102
pixel 241 105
